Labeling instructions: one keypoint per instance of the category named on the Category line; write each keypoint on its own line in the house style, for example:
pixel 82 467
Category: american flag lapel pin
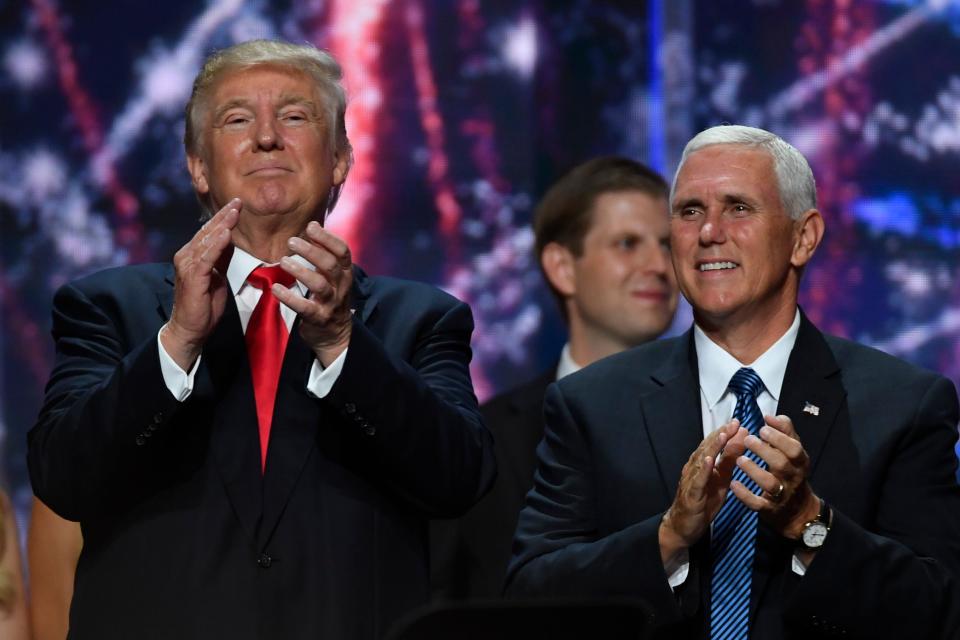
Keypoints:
pixel 811 408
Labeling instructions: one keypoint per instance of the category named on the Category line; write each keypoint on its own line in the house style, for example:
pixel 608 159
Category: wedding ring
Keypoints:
pixel 776 494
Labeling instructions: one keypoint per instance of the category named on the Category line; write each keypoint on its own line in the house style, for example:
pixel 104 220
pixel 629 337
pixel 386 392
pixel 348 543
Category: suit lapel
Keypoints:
pixel 223 398
pixel 297 416
pixel 224 378
pixel 671 412
pixel 812 390
pixel 811 397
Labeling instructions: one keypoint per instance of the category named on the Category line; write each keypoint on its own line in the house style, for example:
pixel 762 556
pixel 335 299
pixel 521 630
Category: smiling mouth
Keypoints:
pixel 720 265
pixel 268 171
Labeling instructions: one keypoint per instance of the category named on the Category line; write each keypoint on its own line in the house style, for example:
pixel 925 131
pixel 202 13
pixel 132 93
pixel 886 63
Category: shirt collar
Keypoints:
pixel 242 265
pixel 567 364
pixel 717 366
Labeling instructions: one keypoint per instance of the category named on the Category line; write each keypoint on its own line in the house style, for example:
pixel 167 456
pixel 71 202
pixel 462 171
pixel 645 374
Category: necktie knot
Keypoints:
pixel 264 277
pixel 746 382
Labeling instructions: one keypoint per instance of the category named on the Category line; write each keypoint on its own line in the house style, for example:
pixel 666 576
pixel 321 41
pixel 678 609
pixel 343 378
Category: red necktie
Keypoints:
pixel 266 340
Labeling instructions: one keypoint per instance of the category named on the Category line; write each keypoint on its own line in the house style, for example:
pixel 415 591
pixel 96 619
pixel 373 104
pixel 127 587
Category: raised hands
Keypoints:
pixel 200 287
pixel 703 487
pixel 787 501
pixel 325 319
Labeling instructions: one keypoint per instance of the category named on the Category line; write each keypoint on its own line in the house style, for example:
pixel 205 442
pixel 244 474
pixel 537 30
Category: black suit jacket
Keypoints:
pixel 881 449
pixel 469 555
pixel 183 536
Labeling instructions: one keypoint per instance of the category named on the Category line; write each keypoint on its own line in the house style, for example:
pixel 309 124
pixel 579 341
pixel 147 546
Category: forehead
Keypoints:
pixel 263 82
pixel 723 168
pixel 629 210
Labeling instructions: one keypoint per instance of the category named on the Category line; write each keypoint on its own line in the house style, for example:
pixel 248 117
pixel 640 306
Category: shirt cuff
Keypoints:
pixel 321 380
pixel 178 381
pixel 797 566
pixel 677 570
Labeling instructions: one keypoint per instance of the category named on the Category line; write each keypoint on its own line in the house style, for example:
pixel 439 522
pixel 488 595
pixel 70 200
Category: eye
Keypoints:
pixel 740 208
pixel 689 213
pixel 627 243
pixel 235 120
pixel 293 117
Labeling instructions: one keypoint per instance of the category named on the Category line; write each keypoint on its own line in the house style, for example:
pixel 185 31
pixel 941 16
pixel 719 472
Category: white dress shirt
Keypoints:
pixel 716 367
pixel 567 364
pixel 242 264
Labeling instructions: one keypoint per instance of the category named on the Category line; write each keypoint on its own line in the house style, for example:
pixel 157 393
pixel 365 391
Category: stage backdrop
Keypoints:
pixel 462 112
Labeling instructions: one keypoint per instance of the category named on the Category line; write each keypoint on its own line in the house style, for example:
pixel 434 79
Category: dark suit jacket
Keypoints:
pixel 183 537
pixel 469 555
pixel 881 449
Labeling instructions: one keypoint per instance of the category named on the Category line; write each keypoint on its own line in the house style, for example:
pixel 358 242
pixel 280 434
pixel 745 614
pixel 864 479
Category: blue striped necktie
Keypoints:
pixel 734 536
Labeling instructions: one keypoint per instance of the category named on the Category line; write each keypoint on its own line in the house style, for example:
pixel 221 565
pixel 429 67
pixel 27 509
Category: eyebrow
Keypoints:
pixel 689 202
pixel 728 198
pixel 732 198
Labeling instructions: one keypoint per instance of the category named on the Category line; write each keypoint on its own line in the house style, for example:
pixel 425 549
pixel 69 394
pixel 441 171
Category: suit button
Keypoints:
pixel 141 440
pixel 157 418
pixel 368 428
pixel 350 408
pixel 264 561
pixel 151 428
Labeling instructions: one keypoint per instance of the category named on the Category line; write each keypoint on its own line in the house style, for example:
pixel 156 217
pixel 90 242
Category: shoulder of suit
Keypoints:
pixel 404 292
pixel 529 393
pixel 150 275
pixel 875 368
pixel 636 365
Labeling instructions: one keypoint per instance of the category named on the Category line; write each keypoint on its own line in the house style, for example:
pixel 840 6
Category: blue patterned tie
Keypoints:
pixel 734 535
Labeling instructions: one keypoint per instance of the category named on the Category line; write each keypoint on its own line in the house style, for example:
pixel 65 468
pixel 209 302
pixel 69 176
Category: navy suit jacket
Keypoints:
pixel 881 448
pixel 469 555
pixel 183 536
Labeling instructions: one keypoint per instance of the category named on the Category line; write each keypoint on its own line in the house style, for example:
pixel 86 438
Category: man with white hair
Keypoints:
pixel 753 477
pixel 254 437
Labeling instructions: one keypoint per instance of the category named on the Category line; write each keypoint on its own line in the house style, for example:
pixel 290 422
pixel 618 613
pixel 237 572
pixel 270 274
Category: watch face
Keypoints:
pixel 814 535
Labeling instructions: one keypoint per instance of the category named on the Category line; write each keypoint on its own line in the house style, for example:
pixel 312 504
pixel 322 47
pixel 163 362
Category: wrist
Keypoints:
pixel 671 543
pixel 183 351
pixel 327 354
pixel 809 513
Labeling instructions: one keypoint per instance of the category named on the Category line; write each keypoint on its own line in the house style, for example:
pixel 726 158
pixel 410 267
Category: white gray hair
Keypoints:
pixel 795 182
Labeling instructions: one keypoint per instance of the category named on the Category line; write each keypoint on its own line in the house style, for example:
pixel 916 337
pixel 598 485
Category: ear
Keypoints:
pixel 557 262
pixel 808 232
pixel 341 168
pixel 198 174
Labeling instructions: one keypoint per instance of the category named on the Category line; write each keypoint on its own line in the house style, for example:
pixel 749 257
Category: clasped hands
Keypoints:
pixel 786 503
pixel 201 288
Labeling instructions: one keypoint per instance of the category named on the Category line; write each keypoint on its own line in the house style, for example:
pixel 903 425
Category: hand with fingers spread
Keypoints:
pixel 200 287
pixel 325 318
pixel 703 487
pixel 787 502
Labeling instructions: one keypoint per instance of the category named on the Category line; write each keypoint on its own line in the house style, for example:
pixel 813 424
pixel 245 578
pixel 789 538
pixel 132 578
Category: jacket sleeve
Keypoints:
pixel 104 402
pixel 418 417
pixel 558 550
pixel 896 578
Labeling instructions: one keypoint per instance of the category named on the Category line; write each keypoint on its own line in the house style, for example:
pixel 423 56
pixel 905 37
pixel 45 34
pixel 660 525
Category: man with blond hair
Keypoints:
pixel 254 437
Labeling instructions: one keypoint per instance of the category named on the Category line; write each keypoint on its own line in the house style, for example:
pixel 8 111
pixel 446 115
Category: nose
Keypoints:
pixel 657 259
pixel 267 135
pixel 712 229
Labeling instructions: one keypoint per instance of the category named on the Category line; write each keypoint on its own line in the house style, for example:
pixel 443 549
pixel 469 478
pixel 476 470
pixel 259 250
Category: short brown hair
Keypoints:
pixel 565 212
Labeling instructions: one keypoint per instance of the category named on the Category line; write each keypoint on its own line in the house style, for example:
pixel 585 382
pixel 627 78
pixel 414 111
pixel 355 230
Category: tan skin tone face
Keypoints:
pixel 620 290
pixel 266 141
pixel 737 253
